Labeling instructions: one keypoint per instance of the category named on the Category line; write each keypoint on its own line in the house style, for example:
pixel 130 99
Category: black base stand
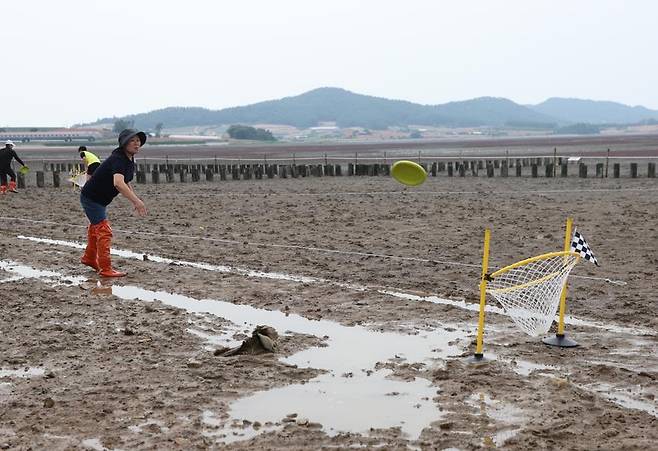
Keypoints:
pixel 477 358
pixel 561 341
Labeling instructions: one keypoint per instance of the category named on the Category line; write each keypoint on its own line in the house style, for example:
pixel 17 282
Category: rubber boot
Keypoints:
pixel 90 258
pixel 3 189
pixel 12 186
pixel 104 240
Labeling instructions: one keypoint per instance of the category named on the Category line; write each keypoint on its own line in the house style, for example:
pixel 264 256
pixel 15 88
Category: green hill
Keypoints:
pixel 346 109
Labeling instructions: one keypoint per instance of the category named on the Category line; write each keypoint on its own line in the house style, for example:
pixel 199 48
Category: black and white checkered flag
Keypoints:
pixel 580 246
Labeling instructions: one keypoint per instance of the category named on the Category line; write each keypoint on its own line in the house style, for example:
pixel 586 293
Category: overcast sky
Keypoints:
pixel 70 61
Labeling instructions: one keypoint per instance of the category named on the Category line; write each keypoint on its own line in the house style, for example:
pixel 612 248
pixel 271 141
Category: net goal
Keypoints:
pixel 530 290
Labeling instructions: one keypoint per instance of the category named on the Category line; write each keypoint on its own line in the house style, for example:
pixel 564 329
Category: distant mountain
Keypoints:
pixel 593 111
pixel 346 109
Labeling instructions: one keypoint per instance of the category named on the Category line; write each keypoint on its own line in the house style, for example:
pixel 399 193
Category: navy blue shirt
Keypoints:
pixel 6 155
pixel 100 187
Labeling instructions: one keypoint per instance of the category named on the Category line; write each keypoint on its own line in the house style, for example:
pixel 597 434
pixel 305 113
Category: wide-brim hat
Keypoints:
pixel 9 142
pixel 129 134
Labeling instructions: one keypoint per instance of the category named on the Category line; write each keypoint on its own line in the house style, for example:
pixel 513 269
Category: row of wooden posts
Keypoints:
pixel 169 172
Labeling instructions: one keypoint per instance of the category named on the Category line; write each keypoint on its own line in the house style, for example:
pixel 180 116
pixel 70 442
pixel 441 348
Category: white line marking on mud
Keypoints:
pixel 299 247
pixel 351 286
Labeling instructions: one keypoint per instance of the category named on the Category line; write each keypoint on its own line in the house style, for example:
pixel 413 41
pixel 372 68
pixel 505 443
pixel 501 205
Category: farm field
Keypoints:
pixel 373 290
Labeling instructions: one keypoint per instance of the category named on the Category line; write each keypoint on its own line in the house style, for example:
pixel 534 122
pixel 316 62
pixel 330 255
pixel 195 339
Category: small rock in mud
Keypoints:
pixel 48 403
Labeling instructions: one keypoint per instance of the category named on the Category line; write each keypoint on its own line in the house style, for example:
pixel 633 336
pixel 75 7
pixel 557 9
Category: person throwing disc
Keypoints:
pixel 111 178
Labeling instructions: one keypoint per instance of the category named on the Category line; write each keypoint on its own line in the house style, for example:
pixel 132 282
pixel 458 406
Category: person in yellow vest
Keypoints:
pixel 91 160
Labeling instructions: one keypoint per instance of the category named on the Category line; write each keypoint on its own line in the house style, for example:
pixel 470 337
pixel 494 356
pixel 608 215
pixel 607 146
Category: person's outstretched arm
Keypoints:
pixel 125 190
pixel 18 159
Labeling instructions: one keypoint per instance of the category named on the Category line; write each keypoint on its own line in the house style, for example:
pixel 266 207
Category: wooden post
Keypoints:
pixel 534 170
pixel 141 177
pixel 564 169
pixel 450 169
pixel 56 179
pixel 633 170
pixel 554 161
pixel 155 176
pixel 490 170
pixel 462 170
pixel 599 170
pixel 651 170
pixel 169 174
pixel 606 163
pixel 20 181
pixel 519 167
pixel 183 175
pixel 209 175
pixel 503 168
pixel 582 171
pixel 616 169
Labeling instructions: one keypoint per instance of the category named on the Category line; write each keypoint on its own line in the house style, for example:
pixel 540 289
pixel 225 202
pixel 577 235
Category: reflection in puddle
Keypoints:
pixel 350 350
pixel 47 276
pixel 525 368
pixel 340 404
pixel 506 417
pixel 23 372
pixel 627 397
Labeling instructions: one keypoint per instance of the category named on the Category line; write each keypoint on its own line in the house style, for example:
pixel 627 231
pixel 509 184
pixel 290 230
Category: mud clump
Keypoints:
pixel 263 340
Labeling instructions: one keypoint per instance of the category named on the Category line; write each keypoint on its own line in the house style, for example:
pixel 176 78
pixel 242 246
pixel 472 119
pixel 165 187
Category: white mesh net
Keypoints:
pixel 529 290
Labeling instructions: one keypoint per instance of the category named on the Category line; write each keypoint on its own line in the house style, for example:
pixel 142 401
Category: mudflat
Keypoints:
pixel 373 290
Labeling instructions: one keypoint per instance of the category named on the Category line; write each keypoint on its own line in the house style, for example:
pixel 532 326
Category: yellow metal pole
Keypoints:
pixel 563 296
pixel 483 294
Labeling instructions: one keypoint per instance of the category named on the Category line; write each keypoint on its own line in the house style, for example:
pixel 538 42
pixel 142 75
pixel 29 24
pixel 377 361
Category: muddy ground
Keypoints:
pixel 81 367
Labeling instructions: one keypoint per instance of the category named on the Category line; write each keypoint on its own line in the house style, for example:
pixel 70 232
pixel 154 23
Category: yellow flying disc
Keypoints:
pixel 408 173
pixel 23 170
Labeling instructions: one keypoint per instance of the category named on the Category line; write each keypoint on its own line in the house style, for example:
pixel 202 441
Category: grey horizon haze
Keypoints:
pixel 74 61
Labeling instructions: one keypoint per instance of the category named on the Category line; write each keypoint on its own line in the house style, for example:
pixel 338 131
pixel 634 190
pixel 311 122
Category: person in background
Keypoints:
pixel 6 155
pixel 91 160
pixel 110 179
